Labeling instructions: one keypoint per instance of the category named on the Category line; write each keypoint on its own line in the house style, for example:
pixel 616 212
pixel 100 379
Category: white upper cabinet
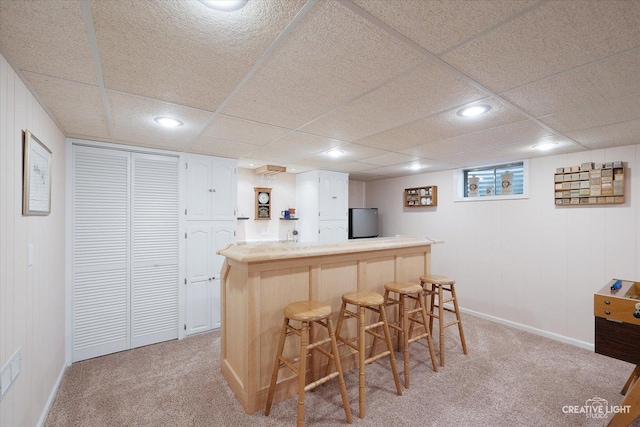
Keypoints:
pixel 333 193
pixel 211 188
pixel 322 204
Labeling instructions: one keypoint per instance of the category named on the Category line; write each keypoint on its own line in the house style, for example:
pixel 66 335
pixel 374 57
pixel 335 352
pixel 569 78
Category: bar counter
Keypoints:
pixel 259 280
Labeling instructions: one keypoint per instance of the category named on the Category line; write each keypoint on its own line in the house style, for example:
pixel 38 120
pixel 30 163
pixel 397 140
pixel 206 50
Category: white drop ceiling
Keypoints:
pixel 283 81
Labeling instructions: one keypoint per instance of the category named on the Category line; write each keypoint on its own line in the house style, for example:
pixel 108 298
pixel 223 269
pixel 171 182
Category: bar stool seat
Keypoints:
pixel 434 285
pixel 307 313
pixel 373 301
pixel 407 318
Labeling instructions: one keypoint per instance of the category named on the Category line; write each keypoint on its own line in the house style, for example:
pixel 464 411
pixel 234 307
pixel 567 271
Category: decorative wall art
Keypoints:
pixel 36 191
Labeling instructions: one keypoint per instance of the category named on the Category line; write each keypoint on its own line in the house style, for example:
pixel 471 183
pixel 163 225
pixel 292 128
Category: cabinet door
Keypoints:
pixel 199 279
pixel 340 231
pixel 326 232
pixel 341 201
pixel 216 311
pixel 223 234
pixel 224 187
pixel 199 188
pixel 327 198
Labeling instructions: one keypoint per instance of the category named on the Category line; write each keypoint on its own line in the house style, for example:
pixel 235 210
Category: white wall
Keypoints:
pixel 357 194
pixel 283 196
pixel 32 298
pixel 526 261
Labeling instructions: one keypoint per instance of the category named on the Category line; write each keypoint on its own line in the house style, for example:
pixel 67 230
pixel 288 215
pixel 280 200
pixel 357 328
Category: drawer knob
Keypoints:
pixel 607 312
pixel 636 314
pixel 607 302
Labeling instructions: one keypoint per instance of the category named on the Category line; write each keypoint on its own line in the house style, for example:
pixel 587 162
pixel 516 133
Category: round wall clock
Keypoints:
pixel 263 198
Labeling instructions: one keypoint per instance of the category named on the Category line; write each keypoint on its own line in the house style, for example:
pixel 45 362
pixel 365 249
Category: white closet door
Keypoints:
pixel 154 285
pixel 100 252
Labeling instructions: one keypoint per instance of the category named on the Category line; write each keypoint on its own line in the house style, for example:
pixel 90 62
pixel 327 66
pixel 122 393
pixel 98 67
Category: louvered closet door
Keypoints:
pixel 154 289
pixel 100 254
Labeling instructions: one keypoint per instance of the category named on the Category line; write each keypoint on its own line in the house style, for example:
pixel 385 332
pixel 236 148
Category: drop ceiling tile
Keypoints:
pixel 133 122
pixel 427 89
pixel 438 25
pixel 389 159
pixel 608 112
pixel 294 146
pixel 364 177
pixel 552 38
pixel 510 152
pixel 404 169
pixel 221 147
pixel 497 136
pixel 331 57
pixel 239 130
pixel 77 107
pixel 611 78
pixel 183 51
pixel 615 135
pixel 351 167
pixel 47 37
pixel 441 126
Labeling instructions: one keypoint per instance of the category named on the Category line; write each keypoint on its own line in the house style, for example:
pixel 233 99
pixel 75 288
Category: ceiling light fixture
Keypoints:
pixel 545 146
pixel 335 153
pixel 474 110
pixel 415 167
pixel 224 5
pixel 168 122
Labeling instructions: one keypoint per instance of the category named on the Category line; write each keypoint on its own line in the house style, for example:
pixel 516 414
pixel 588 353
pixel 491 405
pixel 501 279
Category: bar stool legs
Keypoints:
pixel 307 312
pixel 365 300
pixel 407 319
pixel 436 286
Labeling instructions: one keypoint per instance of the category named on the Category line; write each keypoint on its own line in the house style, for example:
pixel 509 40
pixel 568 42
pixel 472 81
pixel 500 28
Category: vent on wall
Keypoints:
pixel 267 174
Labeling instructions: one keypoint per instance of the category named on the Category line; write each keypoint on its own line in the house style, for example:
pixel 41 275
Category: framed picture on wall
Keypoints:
pixel 36 185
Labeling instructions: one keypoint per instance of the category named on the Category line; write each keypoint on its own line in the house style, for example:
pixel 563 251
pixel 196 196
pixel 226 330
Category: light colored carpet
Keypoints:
pixel 509 378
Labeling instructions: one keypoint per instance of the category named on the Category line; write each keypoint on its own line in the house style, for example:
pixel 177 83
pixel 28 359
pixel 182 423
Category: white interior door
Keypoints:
pixel 100 252
pixel 154 284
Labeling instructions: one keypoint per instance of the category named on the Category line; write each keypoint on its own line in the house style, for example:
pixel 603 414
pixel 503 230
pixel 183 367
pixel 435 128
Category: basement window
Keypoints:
pixel 493 182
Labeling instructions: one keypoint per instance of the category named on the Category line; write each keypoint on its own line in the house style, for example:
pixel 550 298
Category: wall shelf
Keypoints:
pixel 242 218
pixel 420 197
pixel 289 219
pixel 590 184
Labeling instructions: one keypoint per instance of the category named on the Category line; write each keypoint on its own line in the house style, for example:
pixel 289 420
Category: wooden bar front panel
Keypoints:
pixel 254 293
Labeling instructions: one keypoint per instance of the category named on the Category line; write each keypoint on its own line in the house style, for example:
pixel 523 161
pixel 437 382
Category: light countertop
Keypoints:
pixel 263 251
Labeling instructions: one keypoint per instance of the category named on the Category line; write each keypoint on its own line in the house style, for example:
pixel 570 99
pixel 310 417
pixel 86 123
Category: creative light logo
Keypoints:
pixel 596 407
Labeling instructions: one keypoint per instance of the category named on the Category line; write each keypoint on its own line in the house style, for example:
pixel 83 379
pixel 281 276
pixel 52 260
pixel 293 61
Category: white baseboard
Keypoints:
pixel 547 334
pixel 52 396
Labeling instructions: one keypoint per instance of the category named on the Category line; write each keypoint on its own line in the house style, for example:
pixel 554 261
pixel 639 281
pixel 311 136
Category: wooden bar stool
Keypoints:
pixel 307 312
pixel 407 318
pixel 436 286
pixel 373 301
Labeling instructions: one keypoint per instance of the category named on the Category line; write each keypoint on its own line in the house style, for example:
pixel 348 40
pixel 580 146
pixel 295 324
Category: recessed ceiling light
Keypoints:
pixel 414 167
pixel 168 122
pixel 544 146
pixel 225 5
pixel 474 110
pixel 335 153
